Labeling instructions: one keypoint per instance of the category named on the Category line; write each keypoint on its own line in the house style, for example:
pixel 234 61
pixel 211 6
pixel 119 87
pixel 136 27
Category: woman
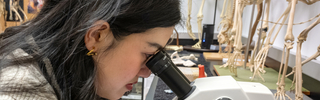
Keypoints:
pixel 84 49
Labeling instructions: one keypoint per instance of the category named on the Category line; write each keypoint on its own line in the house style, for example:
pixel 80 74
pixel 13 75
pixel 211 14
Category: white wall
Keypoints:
pixel 303 13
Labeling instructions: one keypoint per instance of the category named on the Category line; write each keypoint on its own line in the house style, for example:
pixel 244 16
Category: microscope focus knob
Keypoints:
pixel 224 98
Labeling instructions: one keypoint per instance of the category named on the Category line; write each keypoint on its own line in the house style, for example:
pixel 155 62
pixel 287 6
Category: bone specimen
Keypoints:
pixel 226 23
pixel 2 8
pixel 298 68
pixel 309 2
pixel 295 23
pixel 177 60
pixel 289 38
pixel 199 16
pixel 259 8
pixel 281 85
pixel 236 33
pixel 253 29
pixel 257 66
pixel 260 58
pixel 3 12
pixel 188 24
pixel 15 7
pixel 265 25
pixel 298 71
pixel 262 54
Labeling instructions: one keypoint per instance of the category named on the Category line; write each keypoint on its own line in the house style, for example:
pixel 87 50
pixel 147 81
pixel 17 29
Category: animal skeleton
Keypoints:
pixel 298 68
pixel 253 29
pixel 281 85
pixel 309 2
pixel 260 58
pixel 289 38
pixel 15 7
pixel 2 8
pixel 259 8
pixel 200 17
pixel 3 11
pixel 295 23
pixel 226 23
pixel 236 33
pixel 188 24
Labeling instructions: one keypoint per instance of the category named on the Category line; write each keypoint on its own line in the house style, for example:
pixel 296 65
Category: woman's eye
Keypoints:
pixel 149 55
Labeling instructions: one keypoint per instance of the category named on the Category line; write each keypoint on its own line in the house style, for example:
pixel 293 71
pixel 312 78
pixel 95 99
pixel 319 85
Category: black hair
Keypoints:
pixel 55 37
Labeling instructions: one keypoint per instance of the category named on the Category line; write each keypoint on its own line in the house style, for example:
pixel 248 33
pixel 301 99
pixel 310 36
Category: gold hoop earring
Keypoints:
pixel 91 53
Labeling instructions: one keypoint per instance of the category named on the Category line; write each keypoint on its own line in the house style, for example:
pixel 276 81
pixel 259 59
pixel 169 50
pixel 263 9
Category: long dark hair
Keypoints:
pixel 56 38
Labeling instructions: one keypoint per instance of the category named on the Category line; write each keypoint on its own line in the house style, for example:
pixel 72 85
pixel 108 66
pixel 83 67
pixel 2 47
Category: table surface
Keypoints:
pixel 270 77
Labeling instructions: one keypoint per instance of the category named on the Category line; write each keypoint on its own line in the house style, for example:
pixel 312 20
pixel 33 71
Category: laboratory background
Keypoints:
pixel 225 50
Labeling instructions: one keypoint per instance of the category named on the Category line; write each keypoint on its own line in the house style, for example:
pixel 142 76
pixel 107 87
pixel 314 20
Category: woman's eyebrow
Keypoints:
pixel 155 45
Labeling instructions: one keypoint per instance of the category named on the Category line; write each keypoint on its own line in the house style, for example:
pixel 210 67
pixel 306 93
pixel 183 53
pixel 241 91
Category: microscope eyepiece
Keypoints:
pixel 161 65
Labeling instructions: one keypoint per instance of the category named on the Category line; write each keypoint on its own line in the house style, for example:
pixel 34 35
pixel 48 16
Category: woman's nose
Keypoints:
pixel 144 72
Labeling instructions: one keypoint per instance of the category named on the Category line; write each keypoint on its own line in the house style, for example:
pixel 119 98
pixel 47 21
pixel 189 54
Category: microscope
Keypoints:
pixel 208 88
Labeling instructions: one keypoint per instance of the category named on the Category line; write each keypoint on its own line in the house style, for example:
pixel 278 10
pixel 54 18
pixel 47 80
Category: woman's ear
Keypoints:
pixel 96 34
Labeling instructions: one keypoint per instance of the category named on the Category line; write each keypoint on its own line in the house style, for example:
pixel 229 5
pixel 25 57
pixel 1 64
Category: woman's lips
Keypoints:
pixel 130 85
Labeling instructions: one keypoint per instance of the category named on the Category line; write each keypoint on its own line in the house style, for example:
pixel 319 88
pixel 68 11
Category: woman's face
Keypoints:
pixel 120 67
